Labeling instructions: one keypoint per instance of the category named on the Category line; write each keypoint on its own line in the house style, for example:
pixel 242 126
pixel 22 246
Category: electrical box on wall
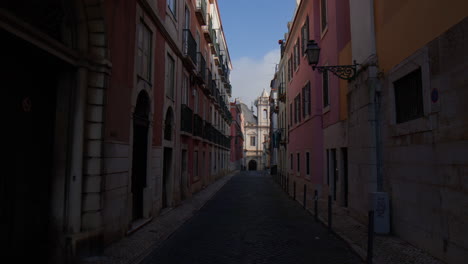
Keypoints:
pixel 380 204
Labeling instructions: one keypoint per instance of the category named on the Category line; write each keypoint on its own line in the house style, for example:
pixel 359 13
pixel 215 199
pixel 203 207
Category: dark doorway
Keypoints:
pixel 166 177
pixel 184 185
pixel 252 165
pixel 140 152
pixel 30 78
pixel 335 171
pixel 344 154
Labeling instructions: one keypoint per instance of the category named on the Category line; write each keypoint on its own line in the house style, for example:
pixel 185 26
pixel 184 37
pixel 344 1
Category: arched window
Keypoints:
pixel 168 124
pixel 265 114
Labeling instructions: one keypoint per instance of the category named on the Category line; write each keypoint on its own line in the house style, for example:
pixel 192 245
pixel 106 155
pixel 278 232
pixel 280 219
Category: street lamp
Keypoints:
pixel 345 72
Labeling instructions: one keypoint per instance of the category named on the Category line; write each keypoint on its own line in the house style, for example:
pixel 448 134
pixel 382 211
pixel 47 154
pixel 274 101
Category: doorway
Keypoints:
pixel 344 154
pixel 184 184
pixel 140 153
pixel 30 80
pixel 252 165
pixel 167 170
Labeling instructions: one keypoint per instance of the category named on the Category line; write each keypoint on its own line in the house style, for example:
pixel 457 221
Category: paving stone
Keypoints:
pixel 251 220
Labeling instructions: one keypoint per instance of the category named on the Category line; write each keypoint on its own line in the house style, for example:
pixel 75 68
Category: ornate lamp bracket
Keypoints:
pixel 345 72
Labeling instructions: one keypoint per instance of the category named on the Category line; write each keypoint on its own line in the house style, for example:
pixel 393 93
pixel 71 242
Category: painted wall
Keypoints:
pixel 403 26
pixel 426 159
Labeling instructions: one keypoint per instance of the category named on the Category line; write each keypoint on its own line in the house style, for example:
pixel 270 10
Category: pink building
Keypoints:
pixel 313 100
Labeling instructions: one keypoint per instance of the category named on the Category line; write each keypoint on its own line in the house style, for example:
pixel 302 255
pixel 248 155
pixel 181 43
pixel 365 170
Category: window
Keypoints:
pixel 328 167
pixel 297 107
pixel 144 51
pixel 289 69
pixel 170 74
pixel 172 6
pixel 298 162
pixel 291 161
pixel 323 15
pixel 195 165
pixel 187 18
pixel 265 114
pixel 185 87
pixel 290 114
pixel 306 109
pixel 252 141
pixel 296 55
pixel 305 35
pixel 326 99
pixel 195 101
pixel 307 163
pixel 408 97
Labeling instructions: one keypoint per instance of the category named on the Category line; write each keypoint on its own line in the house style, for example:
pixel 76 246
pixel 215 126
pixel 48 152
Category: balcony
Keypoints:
pixel 214 89
pixel 186 119
pixel 197 126
pixel 190 47
pixel 208 131
pixel 209 81
pixel 208 31
pixel 201 67
pixel 201 12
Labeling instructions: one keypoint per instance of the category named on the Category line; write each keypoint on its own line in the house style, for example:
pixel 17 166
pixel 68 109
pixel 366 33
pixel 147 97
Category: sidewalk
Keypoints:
pixel 135 247
pixel 387 249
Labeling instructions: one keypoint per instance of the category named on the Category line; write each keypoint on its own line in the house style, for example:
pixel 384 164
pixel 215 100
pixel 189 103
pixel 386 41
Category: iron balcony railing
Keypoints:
pixel 190 46
pixel 201 66
pixel 197 125
pixel 186 118
pixel 209 81
pixel 208 132
pixel 214 89
pixel 221 60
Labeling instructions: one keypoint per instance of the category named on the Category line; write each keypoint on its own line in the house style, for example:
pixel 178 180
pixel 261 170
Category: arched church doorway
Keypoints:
pixel 140 153
pixel 252 165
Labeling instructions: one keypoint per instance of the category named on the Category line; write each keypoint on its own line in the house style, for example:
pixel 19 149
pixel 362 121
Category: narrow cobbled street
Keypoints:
pixel 251 220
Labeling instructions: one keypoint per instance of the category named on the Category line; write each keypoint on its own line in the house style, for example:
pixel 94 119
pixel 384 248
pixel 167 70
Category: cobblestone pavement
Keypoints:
pixel 251 220
pixel 135 247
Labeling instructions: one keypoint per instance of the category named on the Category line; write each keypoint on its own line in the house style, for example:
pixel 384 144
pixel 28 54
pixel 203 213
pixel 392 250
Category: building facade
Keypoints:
pixel 390 139
pixel 407 100
pixel 256 131
pixel 106 125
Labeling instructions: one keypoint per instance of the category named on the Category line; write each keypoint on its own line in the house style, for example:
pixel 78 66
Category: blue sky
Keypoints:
pixel 252 29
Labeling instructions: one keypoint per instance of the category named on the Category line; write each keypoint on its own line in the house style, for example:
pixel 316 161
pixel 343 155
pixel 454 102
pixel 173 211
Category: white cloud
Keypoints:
pixel 249 76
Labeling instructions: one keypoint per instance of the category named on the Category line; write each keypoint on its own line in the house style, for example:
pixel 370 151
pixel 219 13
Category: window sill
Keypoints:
pixel 419 125
pixel 324 32
pixel 326 109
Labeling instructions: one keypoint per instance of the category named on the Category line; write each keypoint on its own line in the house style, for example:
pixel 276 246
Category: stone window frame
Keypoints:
pixel 420 59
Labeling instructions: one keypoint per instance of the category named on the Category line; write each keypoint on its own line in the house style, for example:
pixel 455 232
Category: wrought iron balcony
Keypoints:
pixel 201 12
pixel 197 125
pixel 201 67
pixel 186 118
pixel 214 89
pixel 208 132
pixel 209 81
pixel 190 46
